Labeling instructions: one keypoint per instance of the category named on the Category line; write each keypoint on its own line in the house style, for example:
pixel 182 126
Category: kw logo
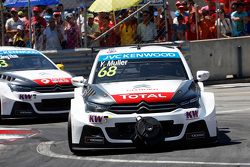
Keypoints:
pixel 26 96
pixel 96 119
pixel 192 114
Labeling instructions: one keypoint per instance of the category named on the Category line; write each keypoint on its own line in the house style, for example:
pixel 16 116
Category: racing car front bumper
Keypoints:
pixel 33 104
pixel 105 130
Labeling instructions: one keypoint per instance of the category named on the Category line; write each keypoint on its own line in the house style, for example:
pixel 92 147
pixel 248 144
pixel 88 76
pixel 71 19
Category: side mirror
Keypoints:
pixel 79 81
pixel 60 66
pixel 202 75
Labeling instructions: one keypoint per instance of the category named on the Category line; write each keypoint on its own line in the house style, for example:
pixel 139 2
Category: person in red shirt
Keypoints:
pixel 110 38
pixel 36 18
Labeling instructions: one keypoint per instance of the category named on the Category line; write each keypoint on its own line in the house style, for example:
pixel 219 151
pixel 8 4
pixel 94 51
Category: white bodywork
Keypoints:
pixel 80 117
pixel 9 97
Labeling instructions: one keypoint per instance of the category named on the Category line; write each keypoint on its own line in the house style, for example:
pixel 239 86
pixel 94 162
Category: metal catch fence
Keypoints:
pixel 74 24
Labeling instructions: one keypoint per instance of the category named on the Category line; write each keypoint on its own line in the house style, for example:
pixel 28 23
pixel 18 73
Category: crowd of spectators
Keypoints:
pixel 55 28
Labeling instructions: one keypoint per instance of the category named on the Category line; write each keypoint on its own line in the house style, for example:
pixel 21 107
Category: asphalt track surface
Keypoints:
pixel 43 143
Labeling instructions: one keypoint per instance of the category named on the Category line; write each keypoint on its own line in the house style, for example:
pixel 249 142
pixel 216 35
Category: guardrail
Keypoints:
pixel 222 57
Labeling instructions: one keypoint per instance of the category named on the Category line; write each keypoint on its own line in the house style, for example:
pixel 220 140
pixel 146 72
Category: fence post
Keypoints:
pixel 239 61
pixel 2 22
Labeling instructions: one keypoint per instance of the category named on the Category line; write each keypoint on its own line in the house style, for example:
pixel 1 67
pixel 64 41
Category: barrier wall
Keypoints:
pixel 222 57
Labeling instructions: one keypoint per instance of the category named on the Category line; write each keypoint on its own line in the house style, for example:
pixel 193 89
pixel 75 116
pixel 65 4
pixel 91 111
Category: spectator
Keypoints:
pixel 223 25
pixel 239 20
pixel 18 39
pixel 20 14
pixel 80 19
pixel 36 18
pixel 93 30
pixel 52 36
pixel 146 31
pixel 11 25
pixel 183 9
pixel 99 18
pixel 207 26
pixel 61 24
pixel 192 21
pixel 210 7
pixel 127 30
pixel 110 38
pixel 48 14
pixel 72 32
pixel 161 25
pixel 37 37
pixel 25 20
pixel 60 8
pixel 179 28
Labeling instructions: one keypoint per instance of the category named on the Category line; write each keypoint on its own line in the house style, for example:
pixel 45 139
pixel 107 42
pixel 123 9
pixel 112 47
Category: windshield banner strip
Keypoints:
pixel 17 52
pixel 138 55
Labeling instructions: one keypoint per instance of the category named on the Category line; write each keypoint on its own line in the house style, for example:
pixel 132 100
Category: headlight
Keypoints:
pixel 191 103
pixel 19 88
pixel 93 107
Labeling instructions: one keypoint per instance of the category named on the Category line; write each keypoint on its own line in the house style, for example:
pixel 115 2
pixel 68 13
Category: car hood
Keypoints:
pixel 135 92
pixel 40 77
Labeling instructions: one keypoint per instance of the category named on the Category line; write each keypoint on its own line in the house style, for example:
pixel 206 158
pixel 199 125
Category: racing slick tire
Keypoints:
pixel 70 137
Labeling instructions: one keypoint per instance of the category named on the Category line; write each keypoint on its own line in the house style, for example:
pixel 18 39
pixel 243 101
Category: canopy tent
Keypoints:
pixel 112 5
pixel 25 3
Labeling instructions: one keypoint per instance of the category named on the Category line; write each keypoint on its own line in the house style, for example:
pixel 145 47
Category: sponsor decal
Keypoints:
pixel 147 97
pixel 97 119
pixel 113 63
pixel 195 135
pixel 192 114
pixel 27 96
pixel 138 55
pixel 3 64
pixel 16 52
pixel 8 57
pixel 112 50
pixel 95 140
pixel 53 81
pixel 142 88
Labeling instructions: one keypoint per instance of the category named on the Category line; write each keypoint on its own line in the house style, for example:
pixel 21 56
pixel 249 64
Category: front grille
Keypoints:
pixel 54 104
pixel 55 88
pixel 142 107
pixel 125 131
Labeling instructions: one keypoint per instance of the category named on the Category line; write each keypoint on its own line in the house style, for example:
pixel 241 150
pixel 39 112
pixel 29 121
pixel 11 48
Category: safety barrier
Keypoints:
pixel 222 57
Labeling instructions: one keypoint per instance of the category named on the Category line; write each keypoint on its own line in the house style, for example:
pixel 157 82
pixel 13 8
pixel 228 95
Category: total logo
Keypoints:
pixel 148 97
pixel 190 115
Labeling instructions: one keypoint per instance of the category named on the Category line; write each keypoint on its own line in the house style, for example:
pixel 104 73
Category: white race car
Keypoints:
pixel 32 85
pixel 140 96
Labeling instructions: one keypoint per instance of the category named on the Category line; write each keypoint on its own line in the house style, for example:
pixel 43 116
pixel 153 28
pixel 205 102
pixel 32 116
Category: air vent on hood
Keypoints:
pixel 8 78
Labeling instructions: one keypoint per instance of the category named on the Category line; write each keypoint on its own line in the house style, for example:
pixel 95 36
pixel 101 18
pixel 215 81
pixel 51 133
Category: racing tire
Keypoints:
pixel 70 137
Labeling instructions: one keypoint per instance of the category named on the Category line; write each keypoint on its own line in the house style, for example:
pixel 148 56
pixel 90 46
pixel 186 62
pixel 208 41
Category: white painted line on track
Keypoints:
pixel 44 149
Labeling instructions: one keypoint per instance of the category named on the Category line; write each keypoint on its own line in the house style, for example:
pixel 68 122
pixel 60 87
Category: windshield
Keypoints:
pixel 140 70
pixel 24 61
